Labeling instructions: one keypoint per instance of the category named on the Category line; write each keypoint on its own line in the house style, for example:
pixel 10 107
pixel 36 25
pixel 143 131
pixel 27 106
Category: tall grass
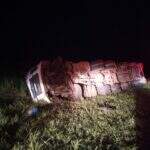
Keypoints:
pixel 13 85
pixel 104 122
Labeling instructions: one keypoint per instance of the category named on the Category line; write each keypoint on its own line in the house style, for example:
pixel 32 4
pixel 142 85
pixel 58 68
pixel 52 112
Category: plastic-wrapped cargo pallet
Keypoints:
pixel 83 79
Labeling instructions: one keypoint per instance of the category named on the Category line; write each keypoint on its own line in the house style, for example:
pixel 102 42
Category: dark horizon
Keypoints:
pixel 31 32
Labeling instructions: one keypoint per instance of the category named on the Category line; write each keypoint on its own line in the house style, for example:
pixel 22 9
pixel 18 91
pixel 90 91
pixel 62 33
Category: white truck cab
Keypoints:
pixel 35 84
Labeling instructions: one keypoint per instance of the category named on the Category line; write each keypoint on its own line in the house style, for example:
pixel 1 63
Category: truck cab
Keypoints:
pixel 36 85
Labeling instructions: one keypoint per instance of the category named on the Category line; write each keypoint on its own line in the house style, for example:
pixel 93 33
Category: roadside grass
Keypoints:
pixel 104 122
pixel 13 85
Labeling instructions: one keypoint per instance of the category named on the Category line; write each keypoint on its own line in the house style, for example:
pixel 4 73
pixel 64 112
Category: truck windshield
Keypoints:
pixel 35 85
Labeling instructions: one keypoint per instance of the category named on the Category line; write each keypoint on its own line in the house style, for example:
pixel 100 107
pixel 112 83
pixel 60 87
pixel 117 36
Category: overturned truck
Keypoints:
pixel 66 79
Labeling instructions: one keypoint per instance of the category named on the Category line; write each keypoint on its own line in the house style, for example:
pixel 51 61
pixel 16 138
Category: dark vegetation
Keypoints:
pixel 117 121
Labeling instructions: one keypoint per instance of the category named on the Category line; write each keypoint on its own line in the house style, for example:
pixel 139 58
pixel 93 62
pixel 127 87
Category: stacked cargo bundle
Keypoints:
pixel 87 79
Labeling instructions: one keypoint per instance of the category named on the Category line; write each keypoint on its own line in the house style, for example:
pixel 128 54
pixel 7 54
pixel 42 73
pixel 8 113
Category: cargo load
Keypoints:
pixel 84 79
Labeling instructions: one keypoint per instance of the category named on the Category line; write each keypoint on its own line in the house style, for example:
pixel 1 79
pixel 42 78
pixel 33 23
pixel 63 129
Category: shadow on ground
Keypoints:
pixel 143 118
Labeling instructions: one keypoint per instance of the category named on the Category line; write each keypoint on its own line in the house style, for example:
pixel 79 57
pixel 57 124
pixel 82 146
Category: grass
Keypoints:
pixel 104 122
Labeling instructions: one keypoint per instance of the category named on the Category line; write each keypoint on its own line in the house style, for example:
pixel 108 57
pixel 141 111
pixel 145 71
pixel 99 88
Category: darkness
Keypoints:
pixel 33 31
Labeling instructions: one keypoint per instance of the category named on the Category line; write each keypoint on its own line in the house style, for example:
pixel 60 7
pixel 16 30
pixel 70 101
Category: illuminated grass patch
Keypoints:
pixel 105 122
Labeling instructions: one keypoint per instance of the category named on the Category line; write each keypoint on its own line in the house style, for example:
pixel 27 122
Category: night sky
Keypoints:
pixel 32 31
